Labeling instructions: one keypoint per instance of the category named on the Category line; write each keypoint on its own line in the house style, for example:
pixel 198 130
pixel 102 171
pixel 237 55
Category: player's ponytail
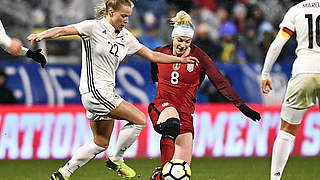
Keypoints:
pixel 102 9
pixel 182 18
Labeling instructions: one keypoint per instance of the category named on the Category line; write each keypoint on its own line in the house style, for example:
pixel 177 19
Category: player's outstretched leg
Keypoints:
pixel 58 176
pixel 120 167
pixel 156 175
pixel 82 156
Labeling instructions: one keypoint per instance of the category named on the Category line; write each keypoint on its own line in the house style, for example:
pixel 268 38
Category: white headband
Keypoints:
pixel 182 30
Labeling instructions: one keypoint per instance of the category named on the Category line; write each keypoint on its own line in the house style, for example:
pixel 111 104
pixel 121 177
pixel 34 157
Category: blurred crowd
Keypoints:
pixel 229 31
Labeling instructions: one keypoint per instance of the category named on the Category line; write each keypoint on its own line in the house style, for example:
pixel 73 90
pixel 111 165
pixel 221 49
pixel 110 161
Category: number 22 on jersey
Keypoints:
pixel 114 49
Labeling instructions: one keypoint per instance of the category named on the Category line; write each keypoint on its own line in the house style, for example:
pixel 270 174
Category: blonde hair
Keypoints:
pixel 102 9
pixel 182 18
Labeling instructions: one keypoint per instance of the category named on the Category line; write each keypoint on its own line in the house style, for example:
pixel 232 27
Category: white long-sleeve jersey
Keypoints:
pixel 5 40
pixel 304 20
pixel 102 53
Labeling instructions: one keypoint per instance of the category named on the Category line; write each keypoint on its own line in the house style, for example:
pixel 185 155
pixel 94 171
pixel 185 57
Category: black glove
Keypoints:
pixel 37 56
pixel 255 116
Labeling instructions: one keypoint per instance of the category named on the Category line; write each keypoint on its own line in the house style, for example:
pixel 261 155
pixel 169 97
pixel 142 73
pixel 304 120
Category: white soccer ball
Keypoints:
pixel 176 169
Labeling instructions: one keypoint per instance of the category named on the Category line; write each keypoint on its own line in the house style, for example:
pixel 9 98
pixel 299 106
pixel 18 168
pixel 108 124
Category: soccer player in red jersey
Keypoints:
pixel 171 110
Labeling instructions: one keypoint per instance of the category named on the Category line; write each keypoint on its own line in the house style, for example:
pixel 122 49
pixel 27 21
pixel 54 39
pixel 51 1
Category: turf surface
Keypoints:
pixel 298 168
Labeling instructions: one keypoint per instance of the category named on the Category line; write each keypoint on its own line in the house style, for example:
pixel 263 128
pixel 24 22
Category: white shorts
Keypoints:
pixel 302 93
pixel 100 103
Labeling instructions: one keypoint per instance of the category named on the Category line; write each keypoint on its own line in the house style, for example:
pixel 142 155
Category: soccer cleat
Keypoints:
pixel 120 167
pixel 156 174
pixel 58 176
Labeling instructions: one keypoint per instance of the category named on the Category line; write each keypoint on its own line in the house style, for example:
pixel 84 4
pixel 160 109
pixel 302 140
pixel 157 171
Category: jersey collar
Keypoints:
pixel 109 27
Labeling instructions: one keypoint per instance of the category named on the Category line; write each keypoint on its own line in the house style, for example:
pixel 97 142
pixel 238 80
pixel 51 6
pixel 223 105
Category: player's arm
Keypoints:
pixel 158 57
pixel 272 55
pixel 50 33
pixel 5 40
pixel 53 33
pixel 217 79
pixel 224 87
pixel 15 47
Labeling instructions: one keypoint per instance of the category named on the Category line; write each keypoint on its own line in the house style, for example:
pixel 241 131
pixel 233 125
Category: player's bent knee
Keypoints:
pixel 138 127
pixel 140 119
pixel 101 141
pixel 169 129
pixel 289 128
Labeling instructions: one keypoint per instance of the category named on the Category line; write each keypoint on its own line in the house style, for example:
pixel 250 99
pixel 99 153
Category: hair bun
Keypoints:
pixel 182 18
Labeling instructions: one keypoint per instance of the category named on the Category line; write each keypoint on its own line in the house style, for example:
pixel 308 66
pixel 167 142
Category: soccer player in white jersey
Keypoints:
pixel 15 48
pixel 105 44
pixel 304 85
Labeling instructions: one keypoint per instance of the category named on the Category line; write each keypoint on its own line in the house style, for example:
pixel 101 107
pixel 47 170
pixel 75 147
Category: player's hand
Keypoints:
pixel 34 38
pixel 266 86
pixel 255 116
pixel 15 47
pixel 37 56
pixel 189 59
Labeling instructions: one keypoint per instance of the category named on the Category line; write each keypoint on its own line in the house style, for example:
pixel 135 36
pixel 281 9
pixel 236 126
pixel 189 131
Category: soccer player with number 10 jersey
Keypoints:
pixel 304 85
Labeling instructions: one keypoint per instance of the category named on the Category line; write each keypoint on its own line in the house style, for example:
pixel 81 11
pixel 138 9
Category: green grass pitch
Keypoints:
pixel 298 168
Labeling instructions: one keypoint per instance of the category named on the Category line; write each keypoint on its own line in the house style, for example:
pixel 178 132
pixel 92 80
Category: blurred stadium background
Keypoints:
pixel 45 122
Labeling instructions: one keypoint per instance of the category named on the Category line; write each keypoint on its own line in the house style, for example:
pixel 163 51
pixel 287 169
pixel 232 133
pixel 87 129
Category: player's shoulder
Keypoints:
pixel 92 21
pixel 308 4
pixel 163 48
pixel 195 50
pixel 303 5
pixel 194 47
pixel 200 54
pixel 89 24
pixel 126 32
pixel 293 10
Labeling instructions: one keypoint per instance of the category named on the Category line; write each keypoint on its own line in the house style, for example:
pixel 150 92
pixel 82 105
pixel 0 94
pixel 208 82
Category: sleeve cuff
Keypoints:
pixel 265 76
pixel 24 51
pixel 5 41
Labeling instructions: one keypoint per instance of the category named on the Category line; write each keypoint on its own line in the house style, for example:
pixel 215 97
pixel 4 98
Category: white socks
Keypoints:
pixel 84 154
pixel 280 153
pixel 127 136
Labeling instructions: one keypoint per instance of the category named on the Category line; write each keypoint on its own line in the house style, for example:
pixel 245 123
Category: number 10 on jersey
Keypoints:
pixel 310 30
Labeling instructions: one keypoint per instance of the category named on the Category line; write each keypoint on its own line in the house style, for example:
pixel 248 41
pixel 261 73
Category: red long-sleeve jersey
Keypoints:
pixel 179 83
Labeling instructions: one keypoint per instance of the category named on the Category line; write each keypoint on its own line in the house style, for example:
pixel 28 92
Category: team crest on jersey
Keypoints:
pixel 165 104
pixel 190 67
pixel 176 66
pixel 120 40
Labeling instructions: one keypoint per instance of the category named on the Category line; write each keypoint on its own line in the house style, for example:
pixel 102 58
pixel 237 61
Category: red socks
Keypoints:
pixel 167 150
pixel 158 177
